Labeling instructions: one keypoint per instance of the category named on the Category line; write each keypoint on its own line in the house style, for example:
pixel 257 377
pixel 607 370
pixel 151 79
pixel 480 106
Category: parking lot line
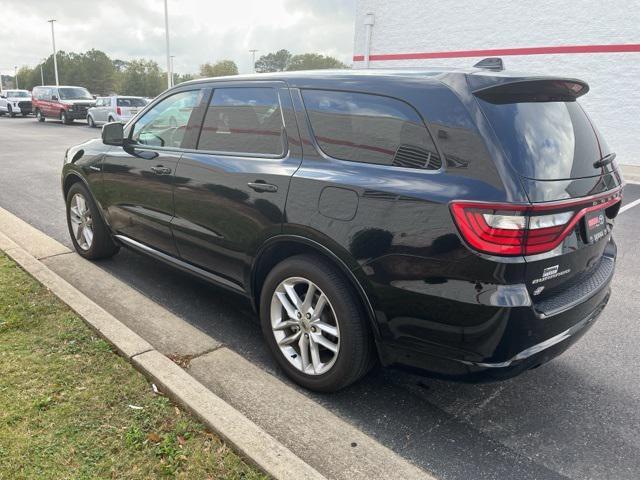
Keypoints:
pixel 635 203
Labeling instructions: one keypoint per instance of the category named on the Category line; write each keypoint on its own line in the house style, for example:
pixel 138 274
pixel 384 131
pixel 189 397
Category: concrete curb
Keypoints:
pixel 250 440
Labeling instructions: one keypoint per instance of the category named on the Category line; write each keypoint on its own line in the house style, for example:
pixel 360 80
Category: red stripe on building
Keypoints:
pixel 499 52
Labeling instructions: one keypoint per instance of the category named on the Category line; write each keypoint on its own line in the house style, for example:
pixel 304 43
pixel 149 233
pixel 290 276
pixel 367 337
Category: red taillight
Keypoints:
pixel 118 110
pixel 508 229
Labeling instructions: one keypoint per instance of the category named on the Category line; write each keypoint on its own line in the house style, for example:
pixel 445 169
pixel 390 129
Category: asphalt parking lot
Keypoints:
pixel 576 417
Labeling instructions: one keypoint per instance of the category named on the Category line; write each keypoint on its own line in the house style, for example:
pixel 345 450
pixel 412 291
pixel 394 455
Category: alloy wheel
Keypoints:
pixel 305 326
pixel 81 221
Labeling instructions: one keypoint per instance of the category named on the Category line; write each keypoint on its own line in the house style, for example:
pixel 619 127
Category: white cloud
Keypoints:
pixel 201 30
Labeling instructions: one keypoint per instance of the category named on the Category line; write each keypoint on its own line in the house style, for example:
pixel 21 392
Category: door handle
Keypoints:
pixel 160 170
pixel 259 186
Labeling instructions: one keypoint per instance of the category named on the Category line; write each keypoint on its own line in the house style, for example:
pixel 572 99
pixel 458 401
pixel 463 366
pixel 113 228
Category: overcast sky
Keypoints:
pixel 201 30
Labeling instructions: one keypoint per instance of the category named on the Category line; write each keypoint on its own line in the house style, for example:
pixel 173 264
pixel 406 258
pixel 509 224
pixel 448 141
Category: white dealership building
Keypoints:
pixel 593 40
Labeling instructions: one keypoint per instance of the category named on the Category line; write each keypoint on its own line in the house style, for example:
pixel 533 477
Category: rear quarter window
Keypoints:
pixel 368 128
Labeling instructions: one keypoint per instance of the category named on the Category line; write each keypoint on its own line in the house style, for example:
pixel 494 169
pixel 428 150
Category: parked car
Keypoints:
pixel 114 109
pixel 61 103
pixel 14 102
pixel 455 221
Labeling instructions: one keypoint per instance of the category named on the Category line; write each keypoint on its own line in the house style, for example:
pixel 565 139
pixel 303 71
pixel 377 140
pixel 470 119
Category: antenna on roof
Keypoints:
pixel 490 63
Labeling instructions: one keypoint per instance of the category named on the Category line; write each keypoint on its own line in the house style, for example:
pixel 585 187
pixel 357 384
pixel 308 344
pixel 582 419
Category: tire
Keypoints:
pixel 101 244
pixel 350 334
pixel 11 114
pixel 25 114
pixel 64 118
pixel 111 120
pixel 39 115
pixel 90 122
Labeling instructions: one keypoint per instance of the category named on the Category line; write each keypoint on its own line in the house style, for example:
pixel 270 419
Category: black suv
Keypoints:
pixel 454 221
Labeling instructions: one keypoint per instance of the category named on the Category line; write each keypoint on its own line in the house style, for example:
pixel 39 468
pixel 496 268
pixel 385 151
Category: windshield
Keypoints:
pixel 17 94
pixel 131 102
pixel 74 93
pixel 546 140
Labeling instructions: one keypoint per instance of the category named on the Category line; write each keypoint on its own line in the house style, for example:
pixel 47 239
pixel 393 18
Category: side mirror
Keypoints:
pixel 53 97
pixel 3 96
pixel 113 134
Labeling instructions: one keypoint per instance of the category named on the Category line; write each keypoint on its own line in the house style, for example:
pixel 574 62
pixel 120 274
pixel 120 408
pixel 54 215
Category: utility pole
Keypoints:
pixel 55 61
pixel 253 60
pixel 41 75
pixel 166 31
pixel 15 76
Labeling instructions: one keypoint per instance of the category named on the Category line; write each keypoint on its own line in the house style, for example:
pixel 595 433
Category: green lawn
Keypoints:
pixel 66 397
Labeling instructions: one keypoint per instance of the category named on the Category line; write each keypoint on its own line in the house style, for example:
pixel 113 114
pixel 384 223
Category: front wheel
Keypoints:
pixel 89 234
pixel 90 121
pixel 64 118
pixel 314 324
pixel 39 116
pixel 11 112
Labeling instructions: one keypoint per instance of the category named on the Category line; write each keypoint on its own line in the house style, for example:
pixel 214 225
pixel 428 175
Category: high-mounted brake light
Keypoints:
pixel 509 229
pixel 118 110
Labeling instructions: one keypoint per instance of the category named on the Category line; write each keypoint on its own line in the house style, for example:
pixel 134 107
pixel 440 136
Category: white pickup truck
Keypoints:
pixel 15 102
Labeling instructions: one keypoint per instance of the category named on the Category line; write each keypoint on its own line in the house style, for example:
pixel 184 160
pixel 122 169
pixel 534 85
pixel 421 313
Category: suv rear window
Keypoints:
pixel 131 102
pixel 545 140
pixel 369 128
pixel 243 120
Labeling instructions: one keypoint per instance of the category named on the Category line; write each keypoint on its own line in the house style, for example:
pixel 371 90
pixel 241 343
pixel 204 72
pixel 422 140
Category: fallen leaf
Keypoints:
pixel 181 440
pixel 136 407
pixel 153 437
pixel 177 411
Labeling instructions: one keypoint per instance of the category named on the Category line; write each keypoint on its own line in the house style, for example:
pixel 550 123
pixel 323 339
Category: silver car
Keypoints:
pixel 114 109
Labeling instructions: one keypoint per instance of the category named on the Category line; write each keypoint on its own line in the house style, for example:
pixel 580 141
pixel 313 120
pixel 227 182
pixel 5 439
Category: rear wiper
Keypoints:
pixel 606 160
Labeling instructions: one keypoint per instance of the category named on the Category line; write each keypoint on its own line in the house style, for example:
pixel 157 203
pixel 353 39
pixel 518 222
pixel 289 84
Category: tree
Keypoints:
pixel 314 61
pixel 185 77
pixel 24 78
pixel 143 78
pixel 273 62
pixel 219 69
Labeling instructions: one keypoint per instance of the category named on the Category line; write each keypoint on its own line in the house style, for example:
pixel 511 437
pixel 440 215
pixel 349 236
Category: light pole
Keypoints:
pixel 55 61
pixel 166 31
pixel 253 60
pixel 172 79
pixel 41 75
pixel 15 76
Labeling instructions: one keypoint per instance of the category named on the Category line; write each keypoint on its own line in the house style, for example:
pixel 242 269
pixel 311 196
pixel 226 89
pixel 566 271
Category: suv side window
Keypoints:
pixel 165 124
pixel 99 102
pixel 243 120
pixel 369 128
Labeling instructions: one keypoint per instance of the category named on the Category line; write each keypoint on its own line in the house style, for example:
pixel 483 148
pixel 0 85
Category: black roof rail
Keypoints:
pixel 490 63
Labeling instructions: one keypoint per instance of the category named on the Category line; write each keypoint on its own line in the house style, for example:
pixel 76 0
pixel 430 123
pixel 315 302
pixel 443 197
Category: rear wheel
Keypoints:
pixel 111 120
pixel 89 234
pixel 39 115
pixel 314 324
pixel 11 113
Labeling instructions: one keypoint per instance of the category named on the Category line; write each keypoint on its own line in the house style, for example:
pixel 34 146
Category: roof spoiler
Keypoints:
pixel 533 90
pixel 491 63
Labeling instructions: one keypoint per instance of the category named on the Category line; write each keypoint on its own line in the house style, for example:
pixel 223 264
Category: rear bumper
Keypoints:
pixel 508 341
